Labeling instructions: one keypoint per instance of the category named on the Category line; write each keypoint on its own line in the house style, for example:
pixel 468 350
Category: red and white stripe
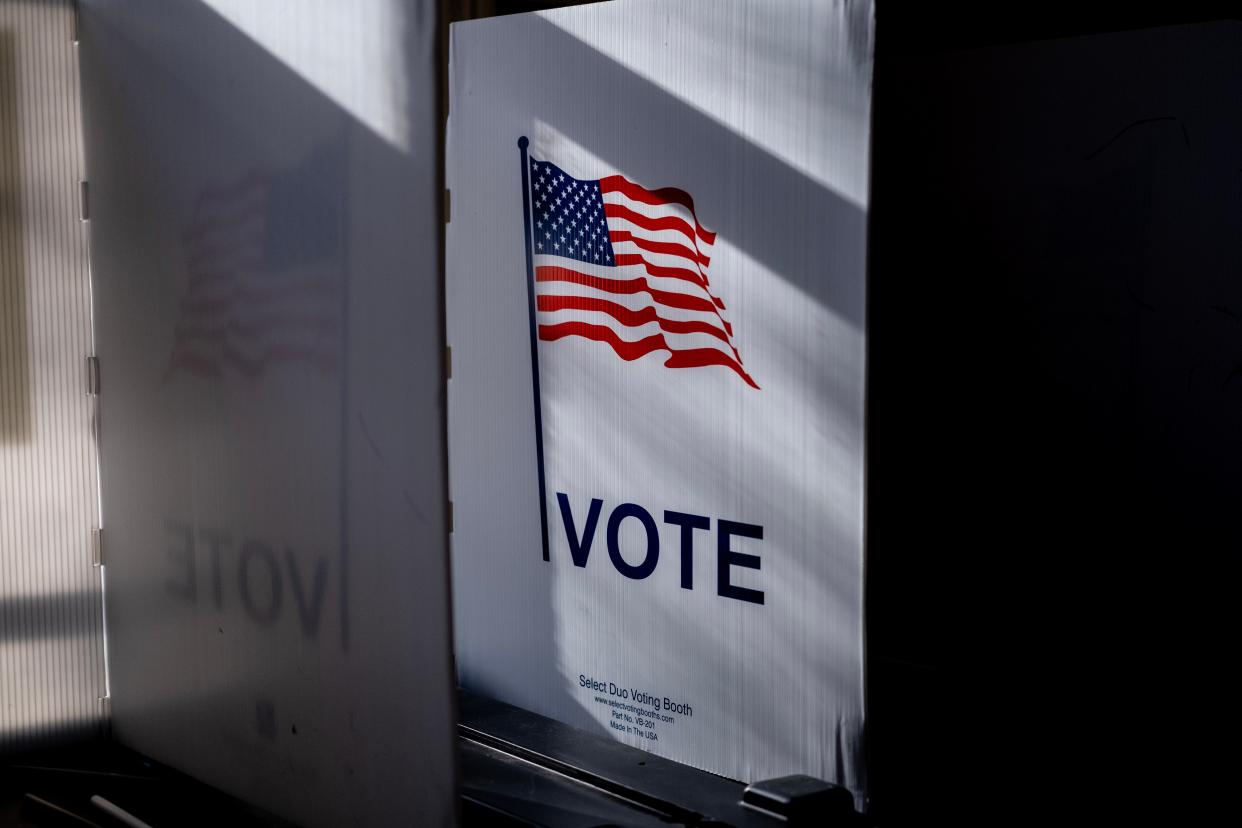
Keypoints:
pixel 232 315
pixel 658 297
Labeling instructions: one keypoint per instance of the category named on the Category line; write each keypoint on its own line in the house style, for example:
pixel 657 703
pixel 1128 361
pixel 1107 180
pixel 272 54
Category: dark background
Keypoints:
pixel 1055 409
pixel 1054 406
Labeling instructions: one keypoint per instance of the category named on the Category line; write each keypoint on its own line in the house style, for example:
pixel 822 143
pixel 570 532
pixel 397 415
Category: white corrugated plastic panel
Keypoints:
pixel 51 622
pixel 264 244
pixel 656 303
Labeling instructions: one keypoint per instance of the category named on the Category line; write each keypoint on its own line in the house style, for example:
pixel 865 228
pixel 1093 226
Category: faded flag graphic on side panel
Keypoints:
pixel 264 255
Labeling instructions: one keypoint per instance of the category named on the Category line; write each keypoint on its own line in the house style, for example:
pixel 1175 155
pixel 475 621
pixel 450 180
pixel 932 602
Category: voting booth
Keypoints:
pixel 558 399
pixel 618 413
pixel 656 311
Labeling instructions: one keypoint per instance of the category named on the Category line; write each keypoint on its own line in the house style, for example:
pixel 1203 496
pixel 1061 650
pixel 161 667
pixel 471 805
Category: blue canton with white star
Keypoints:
pixel 568 216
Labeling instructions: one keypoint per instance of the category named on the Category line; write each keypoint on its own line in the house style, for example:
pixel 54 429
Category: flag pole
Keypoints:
pixel 523 143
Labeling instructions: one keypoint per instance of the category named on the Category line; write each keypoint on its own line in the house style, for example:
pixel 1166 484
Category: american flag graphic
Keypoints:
pixel 626 266
pixel 264 255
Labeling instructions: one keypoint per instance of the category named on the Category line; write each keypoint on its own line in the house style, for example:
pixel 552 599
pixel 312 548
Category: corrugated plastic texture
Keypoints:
pixel 51 629
pixel 264 244
pixel 760 112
